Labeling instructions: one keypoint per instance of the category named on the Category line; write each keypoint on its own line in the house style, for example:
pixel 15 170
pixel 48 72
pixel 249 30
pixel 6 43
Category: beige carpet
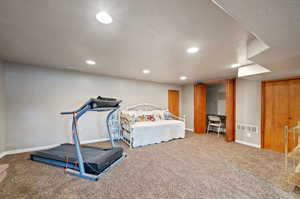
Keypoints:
pixel 199 166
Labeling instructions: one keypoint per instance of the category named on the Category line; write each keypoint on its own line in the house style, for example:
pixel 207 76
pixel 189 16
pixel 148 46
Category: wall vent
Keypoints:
pixel 247 129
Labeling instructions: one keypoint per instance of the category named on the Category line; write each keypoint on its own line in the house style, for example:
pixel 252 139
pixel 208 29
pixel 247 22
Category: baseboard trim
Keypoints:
pixel 29 149
pixel 39 148
pixel 188 129
pixel 94 141
pixel 2 154
pixel 247 143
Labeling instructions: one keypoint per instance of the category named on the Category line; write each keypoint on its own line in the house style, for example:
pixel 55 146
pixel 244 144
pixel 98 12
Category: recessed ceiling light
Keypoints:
pixel 192 50
pixel 183 78
pixel 235 65
pixel 104 17
pixel 146 71
pixel 90 62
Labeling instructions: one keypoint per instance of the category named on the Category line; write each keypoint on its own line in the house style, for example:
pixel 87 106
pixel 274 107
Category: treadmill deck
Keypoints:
pixel 95 159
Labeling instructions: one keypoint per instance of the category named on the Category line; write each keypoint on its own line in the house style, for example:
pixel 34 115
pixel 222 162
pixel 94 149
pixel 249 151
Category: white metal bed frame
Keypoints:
pixel 126 135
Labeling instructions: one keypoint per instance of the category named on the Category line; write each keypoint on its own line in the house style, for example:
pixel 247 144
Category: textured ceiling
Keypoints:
pixel 277 24
pixel 152 34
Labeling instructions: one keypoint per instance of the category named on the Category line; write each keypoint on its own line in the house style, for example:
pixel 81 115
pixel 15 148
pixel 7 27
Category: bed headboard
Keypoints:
pixel 144 107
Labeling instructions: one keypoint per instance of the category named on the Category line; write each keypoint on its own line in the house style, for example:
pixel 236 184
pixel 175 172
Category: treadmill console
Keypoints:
pixel 101 102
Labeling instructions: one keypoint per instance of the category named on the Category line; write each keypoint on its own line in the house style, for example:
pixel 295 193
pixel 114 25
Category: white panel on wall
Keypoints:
pixel 36 96
pixel 248 134
pixel 248 110
pixel 188 105
pixel 215 99
pixel 221 107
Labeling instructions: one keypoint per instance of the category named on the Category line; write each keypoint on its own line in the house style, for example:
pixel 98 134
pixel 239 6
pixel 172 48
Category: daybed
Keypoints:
pixel 146 124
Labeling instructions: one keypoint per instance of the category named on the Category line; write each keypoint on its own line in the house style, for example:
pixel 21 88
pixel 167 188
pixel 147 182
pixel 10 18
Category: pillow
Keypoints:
pixel 140 118
pixel 128 115
pixel 159 115
pixel 128 118
pixel 131 113
pixel 150 118
pixel 168 116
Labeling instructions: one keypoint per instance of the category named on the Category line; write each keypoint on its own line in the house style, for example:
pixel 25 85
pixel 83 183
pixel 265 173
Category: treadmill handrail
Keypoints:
pixel 66 113
pixel 95 109
pixel 76 111
pixel 88 103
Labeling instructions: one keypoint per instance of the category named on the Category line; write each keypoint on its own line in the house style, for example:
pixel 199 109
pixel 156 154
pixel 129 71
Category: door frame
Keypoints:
pixel 200 108
pixel 263 111
pixel 173 90
pixel 230 109
pixel 230 106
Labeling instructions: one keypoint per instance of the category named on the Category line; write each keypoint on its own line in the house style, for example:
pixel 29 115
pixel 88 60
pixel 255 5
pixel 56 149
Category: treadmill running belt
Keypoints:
pixel 95 160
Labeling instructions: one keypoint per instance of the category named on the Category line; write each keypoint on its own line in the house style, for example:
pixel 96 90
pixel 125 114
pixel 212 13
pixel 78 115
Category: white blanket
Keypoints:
pixel 148 132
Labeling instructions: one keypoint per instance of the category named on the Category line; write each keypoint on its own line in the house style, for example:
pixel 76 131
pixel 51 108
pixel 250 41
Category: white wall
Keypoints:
pixel 2 108
pixel 188 105
pixel 36 96
pixel 216 99
pixel 248 108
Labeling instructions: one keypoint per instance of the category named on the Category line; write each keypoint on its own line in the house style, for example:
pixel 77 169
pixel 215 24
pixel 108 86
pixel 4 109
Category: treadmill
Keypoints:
pixel 85 161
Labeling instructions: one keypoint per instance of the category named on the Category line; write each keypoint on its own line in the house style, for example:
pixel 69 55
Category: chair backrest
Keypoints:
pixel 214 118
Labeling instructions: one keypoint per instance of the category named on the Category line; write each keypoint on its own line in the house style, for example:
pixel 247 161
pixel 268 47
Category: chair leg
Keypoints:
pixel 219 131
pixel 207 129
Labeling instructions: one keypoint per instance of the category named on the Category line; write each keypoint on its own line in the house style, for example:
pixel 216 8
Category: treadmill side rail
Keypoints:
pixel 94 177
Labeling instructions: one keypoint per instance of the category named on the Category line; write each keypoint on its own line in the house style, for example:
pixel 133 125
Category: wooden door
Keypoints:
pixel 200 108
pixel 230 110
pixel 267 116
pixel 173 102
pixel 276 114
pixel 294 109
pixel 280 107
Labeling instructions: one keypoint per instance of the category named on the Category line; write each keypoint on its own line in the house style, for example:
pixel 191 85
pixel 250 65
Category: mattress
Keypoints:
pixel 145 133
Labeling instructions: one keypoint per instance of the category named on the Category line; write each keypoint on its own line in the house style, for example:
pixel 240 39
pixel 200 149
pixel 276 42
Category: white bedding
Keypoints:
pixel 148 132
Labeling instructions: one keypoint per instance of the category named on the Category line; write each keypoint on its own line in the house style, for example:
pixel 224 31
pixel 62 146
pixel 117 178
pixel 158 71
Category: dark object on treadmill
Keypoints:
pixel 106 98
pixel 102 102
